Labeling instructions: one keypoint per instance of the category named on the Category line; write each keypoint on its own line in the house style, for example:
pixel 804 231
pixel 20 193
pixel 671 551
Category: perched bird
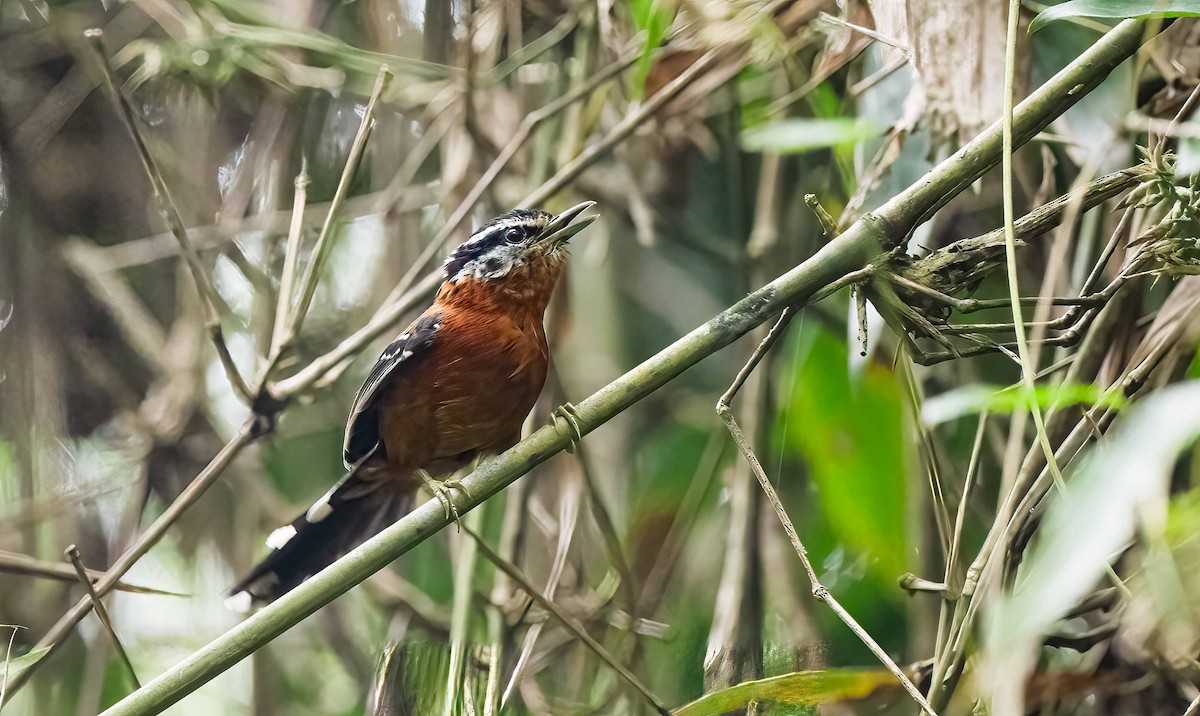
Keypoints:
pixel 457 384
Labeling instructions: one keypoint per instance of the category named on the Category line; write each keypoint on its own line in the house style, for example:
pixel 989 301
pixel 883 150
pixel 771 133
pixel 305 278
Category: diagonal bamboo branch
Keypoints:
pixel 862 244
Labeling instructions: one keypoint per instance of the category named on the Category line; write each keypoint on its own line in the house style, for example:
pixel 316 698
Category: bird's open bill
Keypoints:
pixel 560 229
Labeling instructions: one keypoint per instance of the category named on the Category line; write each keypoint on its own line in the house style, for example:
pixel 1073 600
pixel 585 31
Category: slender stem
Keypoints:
pixel 578 631
pixel 818 590
pixel 1028 369
pixel 58 633
pixel 619 133
pixel 171 216
pixel 72 554
pixel 14 563
pixel 460 618
pixel 304 379
pixel 291 260
pixel 312 273
pixel 567 519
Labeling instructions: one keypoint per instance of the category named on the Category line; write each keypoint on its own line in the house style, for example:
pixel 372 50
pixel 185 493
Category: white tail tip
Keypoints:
pixel 239 603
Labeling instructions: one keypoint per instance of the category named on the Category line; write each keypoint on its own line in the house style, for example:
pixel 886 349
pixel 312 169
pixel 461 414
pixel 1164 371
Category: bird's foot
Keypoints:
pixel 570 415
pixel 442 490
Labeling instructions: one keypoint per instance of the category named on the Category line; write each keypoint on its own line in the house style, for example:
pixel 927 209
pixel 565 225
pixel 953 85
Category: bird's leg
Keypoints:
pixel 441 490
pixel 570 415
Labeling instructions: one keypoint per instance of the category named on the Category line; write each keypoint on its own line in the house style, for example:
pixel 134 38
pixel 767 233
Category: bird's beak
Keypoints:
pixel 560 229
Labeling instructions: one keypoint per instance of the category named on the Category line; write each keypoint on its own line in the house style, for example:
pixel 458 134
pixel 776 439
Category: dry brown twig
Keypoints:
pixel 818 590
pixel 209 299
pixel 72 554
pixel 14 563
pixel 515 574
pixel 63 628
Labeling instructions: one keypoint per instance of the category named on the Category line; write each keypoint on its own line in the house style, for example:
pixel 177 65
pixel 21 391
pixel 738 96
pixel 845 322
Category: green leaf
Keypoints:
pixel 653 18
pixel 793 136
pixel 1116 10
pixel 1119 494
pixel 14 666
pixel 801 688
pixel 972 399
pixel 850 430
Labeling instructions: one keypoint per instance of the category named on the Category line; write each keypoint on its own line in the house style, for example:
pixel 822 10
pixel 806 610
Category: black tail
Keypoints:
pixel 352 512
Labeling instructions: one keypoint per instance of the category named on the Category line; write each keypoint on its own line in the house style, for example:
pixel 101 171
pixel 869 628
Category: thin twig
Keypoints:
pixel 621 131
pixel 606 526
pixel 460 618
pixel 72 553
pixel 15 563
pixel 578 631
pixel 1193 708
pixel 291 261
pixel 304 379
pixel 63 628
pixel 877 36
pixel 567 517
pixel 320 253
pixel 170 214
pixel 818 590
pixel 214 237
pixel 511 529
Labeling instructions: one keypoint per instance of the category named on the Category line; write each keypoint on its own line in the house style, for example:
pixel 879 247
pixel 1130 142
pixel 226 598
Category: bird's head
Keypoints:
pixel 518 251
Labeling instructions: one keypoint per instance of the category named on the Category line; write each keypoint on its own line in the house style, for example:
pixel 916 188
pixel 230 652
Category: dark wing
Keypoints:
pixel 362 427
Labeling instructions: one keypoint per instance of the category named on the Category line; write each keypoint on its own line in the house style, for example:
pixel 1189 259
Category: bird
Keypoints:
pixel 456 385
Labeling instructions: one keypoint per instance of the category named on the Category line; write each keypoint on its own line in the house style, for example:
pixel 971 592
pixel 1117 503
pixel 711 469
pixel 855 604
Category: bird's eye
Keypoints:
pixel 513 236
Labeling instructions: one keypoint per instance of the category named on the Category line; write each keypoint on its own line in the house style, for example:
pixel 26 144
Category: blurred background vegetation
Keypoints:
pixel 698 126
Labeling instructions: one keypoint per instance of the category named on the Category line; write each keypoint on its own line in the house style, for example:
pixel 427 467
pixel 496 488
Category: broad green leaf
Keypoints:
pixel 801 688
pixel 1121 491
pixel 1116 10
pixel 793 136
pixel 972 399
pixel 850 431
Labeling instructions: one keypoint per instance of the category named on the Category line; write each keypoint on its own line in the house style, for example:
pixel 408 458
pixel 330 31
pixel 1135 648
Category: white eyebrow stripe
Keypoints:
pixel 480 234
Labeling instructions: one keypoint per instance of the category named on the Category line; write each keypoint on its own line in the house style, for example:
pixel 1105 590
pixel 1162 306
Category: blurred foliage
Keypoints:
pixel 850 430
pixel 801 135
pixel 804 688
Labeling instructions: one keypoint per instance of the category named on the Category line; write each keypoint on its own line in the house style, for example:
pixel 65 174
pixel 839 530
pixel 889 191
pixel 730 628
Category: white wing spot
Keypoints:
pixel 405 354
pixel 281 536
pixel 239 603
